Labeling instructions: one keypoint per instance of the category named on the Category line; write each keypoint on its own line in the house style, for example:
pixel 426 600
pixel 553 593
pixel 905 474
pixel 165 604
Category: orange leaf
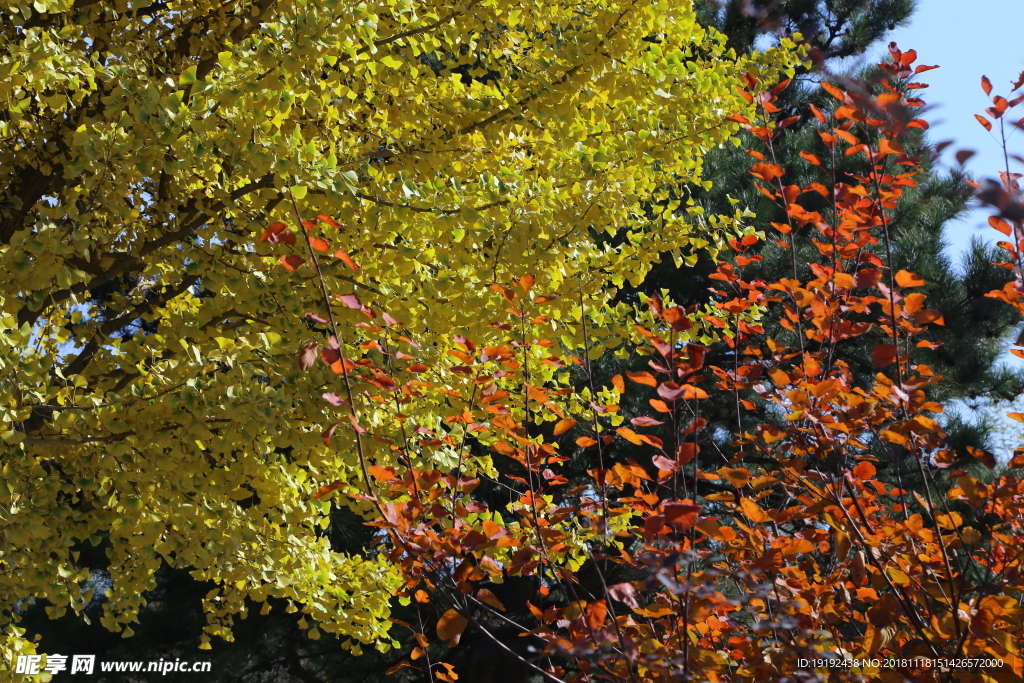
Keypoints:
pixel 596 613
pixel 318 244
pixel 834 91
pixel 643 378
pixel 343 255
pixel 660 406
pixel 752 510
pixel 1001 225
pixel 619 384
pixel 887 146
pixel 292 262
pixel 986 458
pixel 324 218
pixel 526 282
pixel 810 158
pixel 629 435
pixel 585 441
pixel 986 85
pixel 864 471
pixel 739 477
pixel 983 121
pixel 766 172
pixel 450 625
pixel 908 279
pixel 562 426
pixel 929 315
pixel 849 137
pixel 487 597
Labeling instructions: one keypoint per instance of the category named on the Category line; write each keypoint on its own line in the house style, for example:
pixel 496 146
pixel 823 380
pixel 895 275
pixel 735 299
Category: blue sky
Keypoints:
pixel 967 40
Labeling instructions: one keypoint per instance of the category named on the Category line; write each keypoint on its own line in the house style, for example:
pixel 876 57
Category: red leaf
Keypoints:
pixel 596 613
pixel 333 399
pixel 963 155
pixel 922 68
pixel 883 355
pixel 418 367
pixel 644 421
pixel 316 318
pixel 292 262
pixel 986 85
pixel 328 433
pixel 687 452
pixel 681 515
pixel 283 237
pixel 272 229
pixel 779 87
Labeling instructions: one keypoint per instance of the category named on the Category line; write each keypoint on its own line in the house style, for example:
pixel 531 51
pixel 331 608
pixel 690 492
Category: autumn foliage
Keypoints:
pixel 806 545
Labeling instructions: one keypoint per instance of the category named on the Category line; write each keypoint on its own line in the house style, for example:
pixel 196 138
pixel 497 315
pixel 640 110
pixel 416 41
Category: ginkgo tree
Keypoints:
pixel 147 151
